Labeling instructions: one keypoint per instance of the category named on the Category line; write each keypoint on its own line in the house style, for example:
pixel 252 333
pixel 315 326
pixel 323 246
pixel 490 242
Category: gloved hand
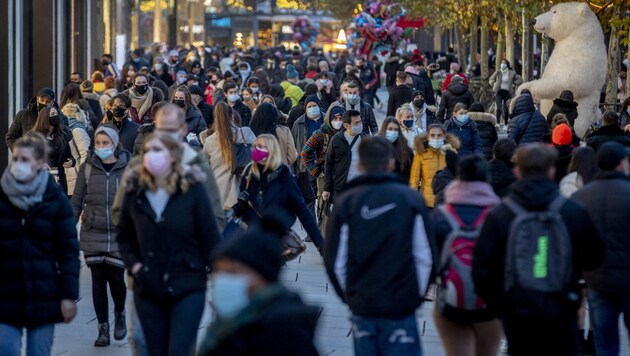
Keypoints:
pixel 242 204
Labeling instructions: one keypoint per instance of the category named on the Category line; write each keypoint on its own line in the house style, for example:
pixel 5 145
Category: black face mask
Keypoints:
pixel 41 106
pixel 180 103
pixel 105 63
pixel 214 82
pixel 141 89
pixel 110 115
pixel 119 112
pixel 419 103
pixel 53 120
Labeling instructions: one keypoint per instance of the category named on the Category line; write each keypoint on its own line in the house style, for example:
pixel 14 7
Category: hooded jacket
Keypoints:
pixel 454 93
pixel 95 200
pixel 501 176
pixel 563 107
pixel 313 154
pixel 527 125
pixel 379 269
pixel 534 194
pixel 39 259
pixel 427 162
pixel 292 91
pixel 486 125
pixel 468 135
pixel 607 199
pixel 22 123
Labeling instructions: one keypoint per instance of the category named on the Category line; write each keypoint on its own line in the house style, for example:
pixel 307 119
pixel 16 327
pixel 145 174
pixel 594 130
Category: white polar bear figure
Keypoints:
pixel 578 62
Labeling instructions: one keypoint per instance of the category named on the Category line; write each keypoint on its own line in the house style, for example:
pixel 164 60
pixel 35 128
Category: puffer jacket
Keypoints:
pixel 527 125
pixel 607 199
pixel 94 197
pixel 468 135
pixel 39 259
pixel 195 121
pixel 427 162
pixel 454 93
pixel 501 176
pixel 486 125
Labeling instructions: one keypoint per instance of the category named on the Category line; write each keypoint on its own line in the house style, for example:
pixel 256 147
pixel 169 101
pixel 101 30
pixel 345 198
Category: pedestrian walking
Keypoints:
pixel 501 166
pixel 265 121
pixel 403 155
pixel 465 129
pixel 527 125
pixel 486 126
pixel 582 170
pixel 504 83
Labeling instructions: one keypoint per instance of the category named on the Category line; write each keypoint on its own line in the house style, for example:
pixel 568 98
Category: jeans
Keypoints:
pixel 501 102
pixel 135 336
pixel 384 336
pixel 170 326
pixel 605 308
pixel 39 340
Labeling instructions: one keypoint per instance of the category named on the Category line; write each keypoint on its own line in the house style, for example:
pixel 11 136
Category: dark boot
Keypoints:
pixel 103 335
pixel 120 326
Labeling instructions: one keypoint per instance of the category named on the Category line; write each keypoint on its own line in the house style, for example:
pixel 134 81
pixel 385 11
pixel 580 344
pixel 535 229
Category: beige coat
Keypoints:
pixel 287 145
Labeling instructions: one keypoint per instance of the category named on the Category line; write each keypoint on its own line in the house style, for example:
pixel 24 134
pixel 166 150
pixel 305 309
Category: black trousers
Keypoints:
pixel 102 275
pixel 502 98
pixel 540 336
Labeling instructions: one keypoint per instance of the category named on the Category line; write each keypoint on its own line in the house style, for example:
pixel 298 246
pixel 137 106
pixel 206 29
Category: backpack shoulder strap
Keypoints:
pixel 514 206
pixel 557 203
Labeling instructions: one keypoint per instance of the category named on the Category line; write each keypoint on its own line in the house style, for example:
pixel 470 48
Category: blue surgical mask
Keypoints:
pixel 391 136
pixel 503 66
pixel 437 144
pixel 408 123
pixel 229 294
pixel 104 153
pixel 313 112
pixel 232 98
pixel 462 119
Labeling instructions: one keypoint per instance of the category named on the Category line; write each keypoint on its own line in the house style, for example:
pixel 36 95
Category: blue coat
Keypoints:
pixel 468 135
pixel 527 125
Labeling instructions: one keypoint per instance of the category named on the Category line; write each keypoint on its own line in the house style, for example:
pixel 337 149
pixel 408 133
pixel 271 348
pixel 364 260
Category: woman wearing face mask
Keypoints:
pixel 49 124
pixel 430 158
pixel 165 239
pixel 504 83
pixel 142 100
pixel 254 310
pixel 306 124
pixel 218 150
pixel 80 142
pixel 269 186
pixel 466 131
pixel 265 121
pixel 194 119
pixel 407 122
pixel 392 131
pixel 325 90
pixel 253 84
pixel 39 252
pixel 97 183
pixel 248 99
pixel 282 117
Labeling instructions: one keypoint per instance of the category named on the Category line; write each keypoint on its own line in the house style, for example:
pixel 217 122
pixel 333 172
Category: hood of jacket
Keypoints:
pixel 421 142
pixel 534 193
pixel 523 104
pixel 327 115
pixel 501 172
pixel 611 130
pixel 482 117
pixel 374 178
pixel 457 88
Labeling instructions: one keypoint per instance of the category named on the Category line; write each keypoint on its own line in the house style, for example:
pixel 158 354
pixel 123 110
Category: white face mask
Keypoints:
pixel 356 129
pixel 254 90
pixel 22 171
pixel 503 66
pixel 336 124
pixel 436 143
pixel 229 293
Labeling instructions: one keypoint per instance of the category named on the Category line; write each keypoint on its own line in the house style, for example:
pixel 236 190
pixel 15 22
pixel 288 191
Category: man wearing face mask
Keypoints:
pixel 25 119
pixel 244 73
pixel 306 124
pixel 142 99
pixel 137 60
pixel 424 114
pixel 172 65
pixel 233 99
pixel 342 156
pixel 254 310
pixel 202 78
pixel 350 100
pixel 118 117
pixel 196 98
pixel 369 77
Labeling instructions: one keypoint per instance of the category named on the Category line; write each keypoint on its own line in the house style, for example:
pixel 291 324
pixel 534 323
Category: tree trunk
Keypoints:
pixel 460 42
pixel 500 52
pixel 509 41
pixel 613 71
pixel 473 45
pixel 544 53
pixel 485 71
pixel 527 48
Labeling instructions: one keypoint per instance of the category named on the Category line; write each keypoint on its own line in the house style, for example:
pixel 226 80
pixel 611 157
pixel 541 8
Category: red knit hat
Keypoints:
pixel 562 135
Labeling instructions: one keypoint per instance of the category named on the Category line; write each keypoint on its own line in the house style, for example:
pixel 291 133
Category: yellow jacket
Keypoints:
pixel 427 162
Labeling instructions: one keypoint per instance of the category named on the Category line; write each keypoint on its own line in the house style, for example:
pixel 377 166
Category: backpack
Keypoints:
pixel 539 263
pixel 457 299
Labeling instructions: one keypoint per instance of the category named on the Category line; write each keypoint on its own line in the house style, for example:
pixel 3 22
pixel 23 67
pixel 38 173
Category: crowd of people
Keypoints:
pixel 192 165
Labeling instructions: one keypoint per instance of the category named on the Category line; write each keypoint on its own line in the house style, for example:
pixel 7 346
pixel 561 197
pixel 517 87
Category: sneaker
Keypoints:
pixel 504 346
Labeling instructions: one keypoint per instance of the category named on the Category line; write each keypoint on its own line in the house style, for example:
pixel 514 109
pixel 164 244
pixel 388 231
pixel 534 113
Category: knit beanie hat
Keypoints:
pixel 291 72
pixel 561 135
pixel 312 98
pixel 259 248
pixel 416 93
pixel 336 110
pixel 610 155
pixel 109 131
pixel 87 86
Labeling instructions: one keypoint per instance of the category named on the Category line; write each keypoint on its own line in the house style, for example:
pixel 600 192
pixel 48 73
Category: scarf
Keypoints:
pixel 142 103
pixel 421 116
pixel 352 106
pixel 470 193
pixel 24 195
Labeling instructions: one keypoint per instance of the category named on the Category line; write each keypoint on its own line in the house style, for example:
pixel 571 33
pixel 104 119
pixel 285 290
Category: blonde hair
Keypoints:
pixel 175 179
pixel 275 156
pixel 402 109
pixel 73 111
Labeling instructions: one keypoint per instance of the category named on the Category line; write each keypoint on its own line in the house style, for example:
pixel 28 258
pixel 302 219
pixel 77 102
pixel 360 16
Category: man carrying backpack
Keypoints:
pixel 530 255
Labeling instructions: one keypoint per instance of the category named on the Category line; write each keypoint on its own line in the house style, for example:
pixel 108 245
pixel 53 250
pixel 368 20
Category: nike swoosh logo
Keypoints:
pixel 368 214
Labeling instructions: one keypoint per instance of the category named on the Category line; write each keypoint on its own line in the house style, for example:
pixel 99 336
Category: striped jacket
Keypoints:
pixel 314 151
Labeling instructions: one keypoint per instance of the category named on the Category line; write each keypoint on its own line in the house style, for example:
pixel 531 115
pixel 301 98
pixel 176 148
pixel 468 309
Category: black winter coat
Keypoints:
pixel 39 259
pixel 370 127
pixel 175 249
pixel 23 122
pixel 501 176
pixel 562 162
pixel 195 120
pixel 127 132
pixel 59 154
pixel 454 93
pixel 426 86
pixel 337 164
pixel 298 110
pixel 441 179
pixel 207 112
pixel 243 111
pixel 607 199
pixel 390 68
pixel 562 107
pixel 527 125
pixel 607 134
pixel 486 125
pixel 399 95
pixel 534 194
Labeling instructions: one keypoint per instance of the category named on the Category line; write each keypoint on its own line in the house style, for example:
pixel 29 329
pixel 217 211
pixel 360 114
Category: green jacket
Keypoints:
pixel 292 92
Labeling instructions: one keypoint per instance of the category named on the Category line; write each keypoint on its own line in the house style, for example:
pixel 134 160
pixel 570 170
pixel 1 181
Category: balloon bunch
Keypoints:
pixel 304 32
pixel 376 29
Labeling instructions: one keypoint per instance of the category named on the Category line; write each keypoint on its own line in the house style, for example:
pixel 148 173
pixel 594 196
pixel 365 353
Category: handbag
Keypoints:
pixel 304 183
pixel 292 244
pixel 241 155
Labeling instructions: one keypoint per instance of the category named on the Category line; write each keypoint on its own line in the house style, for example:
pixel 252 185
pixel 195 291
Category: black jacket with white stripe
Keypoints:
pixel 378 251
